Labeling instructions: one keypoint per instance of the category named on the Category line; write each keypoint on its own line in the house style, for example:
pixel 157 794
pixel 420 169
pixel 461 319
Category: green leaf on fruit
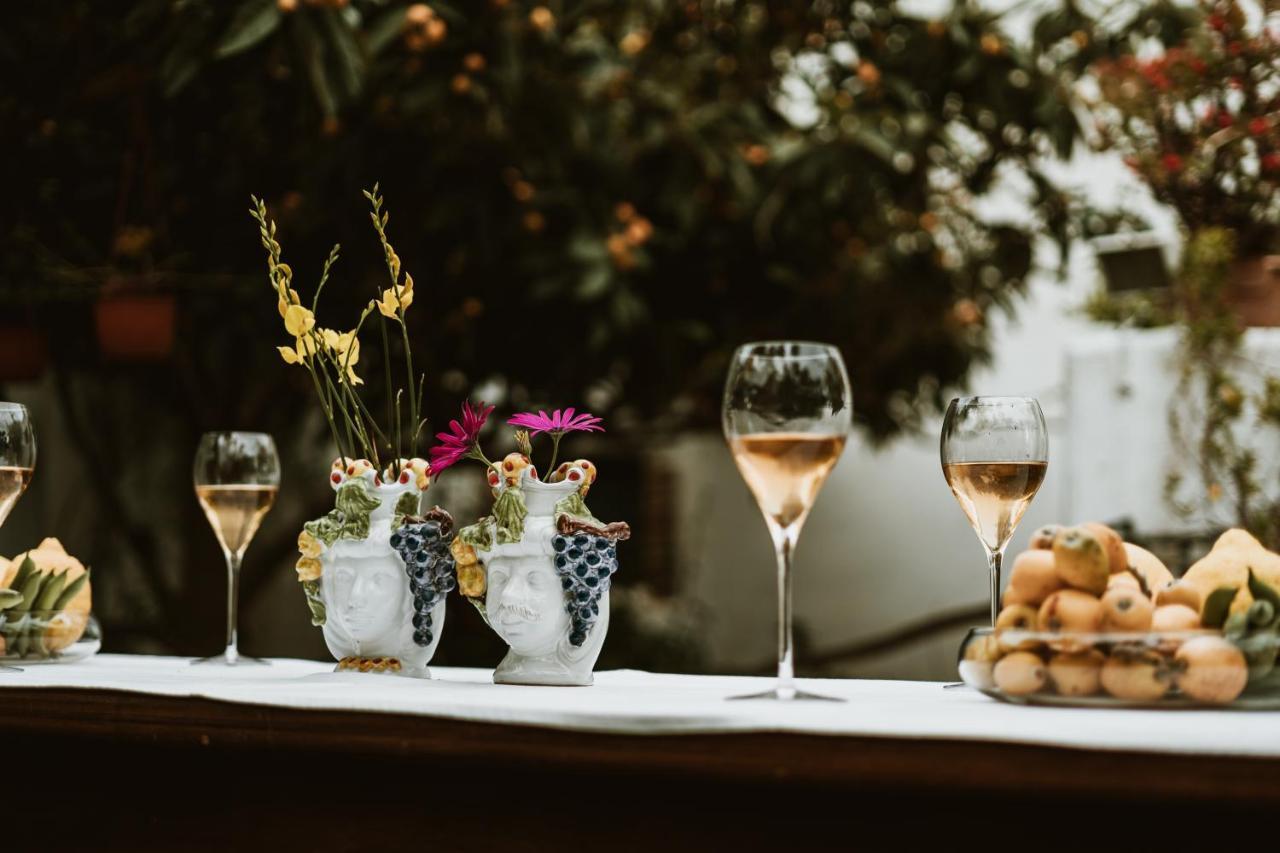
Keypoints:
pixel 1263 591
pixel 1216 606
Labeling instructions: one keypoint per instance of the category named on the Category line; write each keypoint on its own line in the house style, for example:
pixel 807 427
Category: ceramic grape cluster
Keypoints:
pixel 586 565
pixel 423 544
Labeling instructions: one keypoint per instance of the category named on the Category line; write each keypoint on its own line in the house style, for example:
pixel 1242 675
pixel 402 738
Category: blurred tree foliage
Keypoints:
pixel 598 199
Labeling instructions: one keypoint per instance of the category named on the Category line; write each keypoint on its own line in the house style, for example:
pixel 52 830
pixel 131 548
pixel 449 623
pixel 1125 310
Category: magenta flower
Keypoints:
pixel 461 440
pixel 557 423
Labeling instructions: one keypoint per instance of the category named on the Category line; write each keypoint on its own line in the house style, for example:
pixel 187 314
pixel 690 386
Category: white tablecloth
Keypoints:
pixel 630 702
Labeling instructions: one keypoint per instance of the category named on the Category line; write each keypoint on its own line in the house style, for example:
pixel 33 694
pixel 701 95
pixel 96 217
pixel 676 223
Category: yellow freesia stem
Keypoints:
pixel 341 390
pixel 408 359
pixel 326 407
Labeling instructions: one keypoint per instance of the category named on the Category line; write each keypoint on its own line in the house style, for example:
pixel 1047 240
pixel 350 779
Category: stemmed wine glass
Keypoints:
pixel 17 461
pixel 995 451
pixel 786 413
pixel 237 475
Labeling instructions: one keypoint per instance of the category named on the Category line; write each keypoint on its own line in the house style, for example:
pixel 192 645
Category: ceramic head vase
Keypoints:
pixel 539 570
pixel 375 573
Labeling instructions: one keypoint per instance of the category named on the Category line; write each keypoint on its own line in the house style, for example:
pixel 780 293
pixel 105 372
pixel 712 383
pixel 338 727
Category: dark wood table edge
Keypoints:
pixel 759 757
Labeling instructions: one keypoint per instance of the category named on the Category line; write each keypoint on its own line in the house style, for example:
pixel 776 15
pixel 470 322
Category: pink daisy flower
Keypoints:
pixel 460 441
pixel 557 423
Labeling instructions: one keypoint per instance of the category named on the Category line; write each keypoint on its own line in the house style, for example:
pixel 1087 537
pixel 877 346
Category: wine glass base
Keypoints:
pixel 4 667
pixel 223 660
pixel 781 695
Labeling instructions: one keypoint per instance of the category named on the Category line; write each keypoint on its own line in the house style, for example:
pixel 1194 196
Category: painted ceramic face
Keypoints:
pixel 369 598
pixel 525 604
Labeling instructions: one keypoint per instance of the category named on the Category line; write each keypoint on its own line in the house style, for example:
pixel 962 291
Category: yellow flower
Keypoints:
pixel 308 545
pixel 298 320
pixel 393 300
pixel 346 349
pixel 283 306
pixel 309 569
pixel 303 349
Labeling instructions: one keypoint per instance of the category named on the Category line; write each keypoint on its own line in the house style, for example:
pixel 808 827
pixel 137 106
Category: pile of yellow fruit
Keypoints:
pixel 45 599
pixel 1078 592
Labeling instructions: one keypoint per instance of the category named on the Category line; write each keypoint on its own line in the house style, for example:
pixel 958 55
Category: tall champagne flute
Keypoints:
pixel 237 475
pixel 995 451
pixel 17 461
pixel 786 413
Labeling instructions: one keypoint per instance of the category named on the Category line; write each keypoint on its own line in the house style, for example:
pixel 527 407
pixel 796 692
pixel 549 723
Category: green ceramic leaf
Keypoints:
pixel 353 506
pixel 406 505
pixel 575 508
pixel 478 535
pixel 314 602
pixel 509 511
pixel 326 528
pixel 1216 606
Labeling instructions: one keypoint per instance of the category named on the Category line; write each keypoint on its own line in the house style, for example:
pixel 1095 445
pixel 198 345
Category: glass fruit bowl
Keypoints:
pixel 43 636
pixel 1156 669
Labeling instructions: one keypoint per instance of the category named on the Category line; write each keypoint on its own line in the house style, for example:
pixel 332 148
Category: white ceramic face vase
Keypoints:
pixel 369 600
pixel 526 604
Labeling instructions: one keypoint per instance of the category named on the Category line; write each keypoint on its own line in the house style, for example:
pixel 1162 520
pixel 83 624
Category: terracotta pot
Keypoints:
pixel 136 327
pixel 23 354
pixel 1254 290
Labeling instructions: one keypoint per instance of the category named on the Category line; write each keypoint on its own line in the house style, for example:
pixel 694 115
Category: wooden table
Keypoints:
pixel 111 770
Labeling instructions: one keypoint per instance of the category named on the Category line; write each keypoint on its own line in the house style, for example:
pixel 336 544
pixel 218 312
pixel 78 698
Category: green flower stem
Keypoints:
pixel 399 444
pixel 356 425
pixel 477 454
pixel 327 408
pixel 556 435
pixel 386 364
pixel 330 397
pixel 414 411
pixel 363 410
pixel 324 275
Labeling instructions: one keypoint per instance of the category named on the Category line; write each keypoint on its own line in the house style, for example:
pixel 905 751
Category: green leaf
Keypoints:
pixel 595 282
pixel 1263 591
pixel 25 571
pixel 384 31
pixel 1216 606
pixel 347 51
pixel 253 22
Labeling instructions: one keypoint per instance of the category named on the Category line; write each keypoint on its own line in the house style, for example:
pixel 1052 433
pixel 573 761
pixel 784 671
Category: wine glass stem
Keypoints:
pixel 784 541
pixel 995 559
pixel 232 653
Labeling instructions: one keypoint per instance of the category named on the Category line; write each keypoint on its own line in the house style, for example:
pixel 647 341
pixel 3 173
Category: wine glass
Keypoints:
pixel 17 455
pixel 995 451
pixel 786 414
pixel 17 461
pixel 237 475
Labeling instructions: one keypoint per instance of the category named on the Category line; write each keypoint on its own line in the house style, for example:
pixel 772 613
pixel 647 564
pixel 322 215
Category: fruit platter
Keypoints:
pixel 1091 620
pixel 45 602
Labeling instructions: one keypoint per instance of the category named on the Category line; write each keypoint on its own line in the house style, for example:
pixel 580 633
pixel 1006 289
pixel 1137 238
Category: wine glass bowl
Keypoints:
pixel 17 455
pixel 995 453
pixel 786 414
pixel 236 476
